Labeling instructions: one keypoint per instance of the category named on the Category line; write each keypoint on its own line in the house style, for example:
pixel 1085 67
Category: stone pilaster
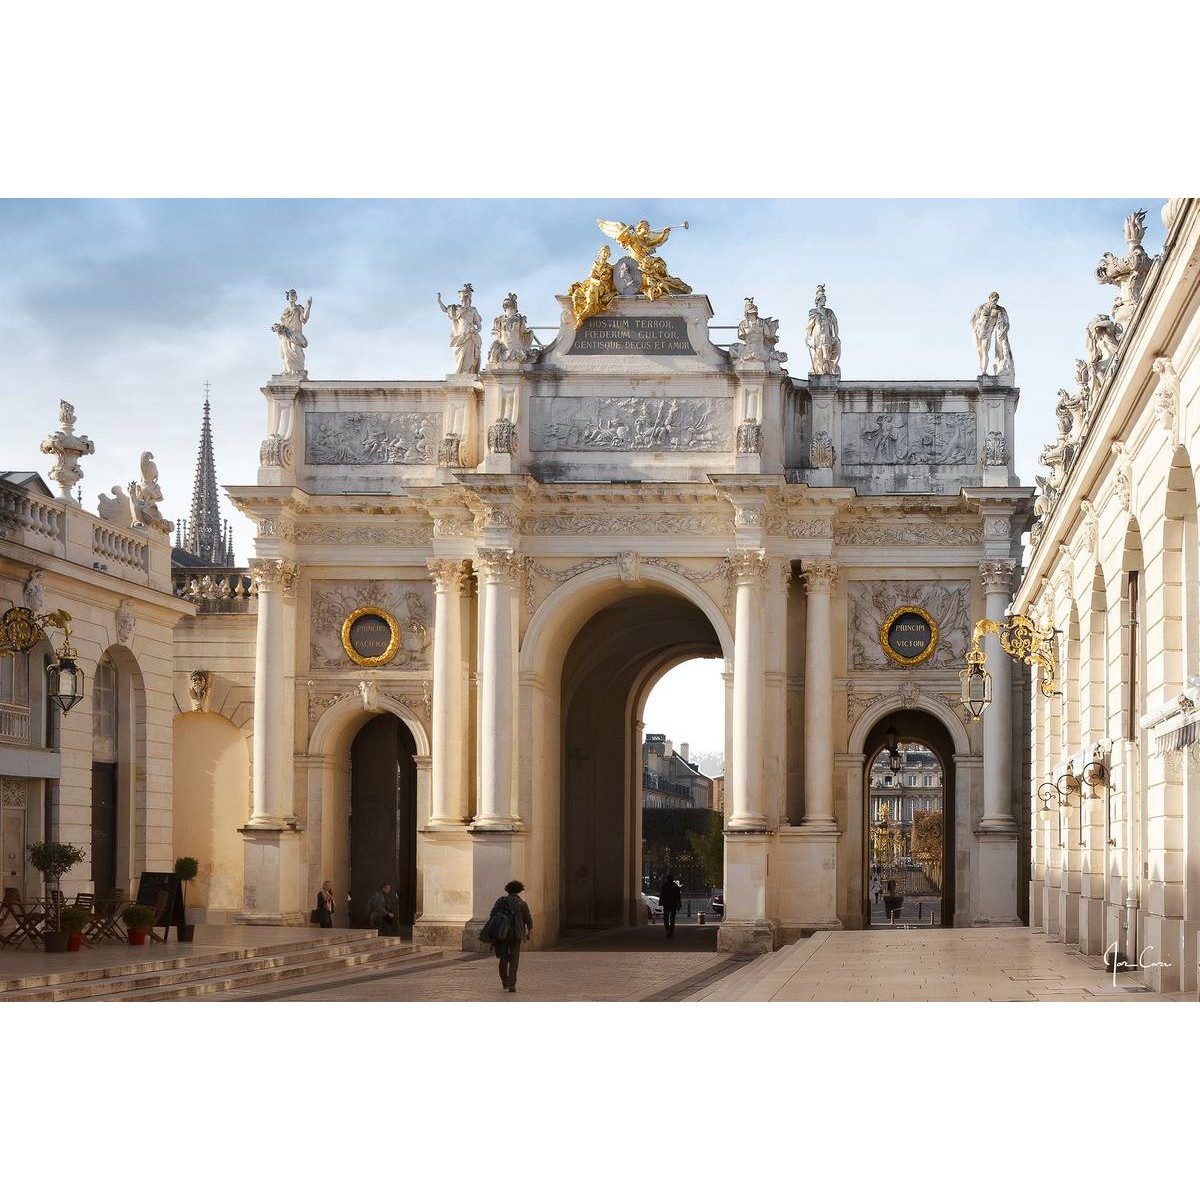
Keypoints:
pixel 498 570
pixel 819 579
pixel 997 719
pixel 449 799
pixel 274 579
pixel 746 800
pixel 994 901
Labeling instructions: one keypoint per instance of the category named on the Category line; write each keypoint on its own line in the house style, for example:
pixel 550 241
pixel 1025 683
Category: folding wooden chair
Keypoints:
pixel 106 919
pixel 160 907
pixel 31 919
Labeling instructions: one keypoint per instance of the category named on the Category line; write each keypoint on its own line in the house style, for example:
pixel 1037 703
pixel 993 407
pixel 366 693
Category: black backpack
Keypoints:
pixel 498 927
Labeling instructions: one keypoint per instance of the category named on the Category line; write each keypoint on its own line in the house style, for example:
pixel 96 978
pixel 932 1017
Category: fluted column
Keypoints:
pixel 448 804
pixel 997 718
pixel 746 800
pixel 497 727
pixel 271 732
pixel 819 578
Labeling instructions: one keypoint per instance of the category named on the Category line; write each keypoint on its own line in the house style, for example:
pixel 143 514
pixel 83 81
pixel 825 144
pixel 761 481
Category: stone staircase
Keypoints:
pixel 350 952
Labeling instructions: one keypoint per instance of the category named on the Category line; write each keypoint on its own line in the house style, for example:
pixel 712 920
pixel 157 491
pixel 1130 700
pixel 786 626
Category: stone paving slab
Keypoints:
pixel 911 965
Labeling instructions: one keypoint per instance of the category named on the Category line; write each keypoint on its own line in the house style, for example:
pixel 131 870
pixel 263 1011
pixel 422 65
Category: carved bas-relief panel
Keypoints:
pixel 409 603
pixel 872 603
pixel 910 439
pixel 632 424
pixel 371 439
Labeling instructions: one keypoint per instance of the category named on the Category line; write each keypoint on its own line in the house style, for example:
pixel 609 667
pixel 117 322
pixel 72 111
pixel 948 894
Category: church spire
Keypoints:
pixel 206 538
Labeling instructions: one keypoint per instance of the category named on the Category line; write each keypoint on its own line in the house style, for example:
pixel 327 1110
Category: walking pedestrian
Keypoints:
pixel 383 910
pixel 671 899
pixel 325 905
pixel 508 950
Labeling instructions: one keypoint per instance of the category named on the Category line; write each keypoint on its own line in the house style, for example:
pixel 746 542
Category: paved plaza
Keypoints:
pixel 641 965
pixel 920 964
pixel 629 965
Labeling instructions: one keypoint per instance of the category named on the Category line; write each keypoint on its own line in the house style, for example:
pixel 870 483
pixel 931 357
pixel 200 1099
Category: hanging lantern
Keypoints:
pixel 976 691
pixel 65 679
pixel 892 741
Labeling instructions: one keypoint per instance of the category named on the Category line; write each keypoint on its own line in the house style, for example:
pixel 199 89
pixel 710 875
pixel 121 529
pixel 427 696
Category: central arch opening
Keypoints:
pixel 909 789
pixel 613 662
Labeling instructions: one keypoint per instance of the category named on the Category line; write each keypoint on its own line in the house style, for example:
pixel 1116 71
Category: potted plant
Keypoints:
pixel 54 860
pixel 139 920
pixel 187 869
pixel 74 921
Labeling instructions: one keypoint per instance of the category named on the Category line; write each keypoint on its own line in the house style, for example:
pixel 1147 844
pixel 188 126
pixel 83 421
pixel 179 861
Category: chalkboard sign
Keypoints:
pixel 149 887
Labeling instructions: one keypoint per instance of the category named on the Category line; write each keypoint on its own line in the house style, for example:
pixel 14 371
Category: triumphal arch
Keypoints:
pixel 466 588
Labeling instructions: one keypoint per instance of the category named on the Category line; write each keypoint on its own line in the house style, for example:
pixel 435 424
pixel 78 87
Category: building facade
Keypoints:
pixel 100 775
pixel 669 780
pixel 1115 784
pixel 464 589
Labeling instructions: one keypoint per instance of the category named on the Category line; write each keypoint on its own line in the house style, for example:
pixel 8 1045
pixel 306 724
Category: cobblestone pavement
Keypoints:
pixel 628 965
pixel 944 964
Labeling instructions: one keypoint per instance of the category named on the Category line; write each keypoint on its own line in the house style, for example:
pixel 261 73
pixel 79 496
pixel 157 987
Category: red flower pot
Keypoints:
pixel 74 941
pixel 137 937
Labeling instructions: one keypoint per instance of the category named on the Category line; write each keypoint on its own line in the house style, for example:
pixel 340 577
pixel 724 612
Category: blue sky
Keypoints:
pixel 126 307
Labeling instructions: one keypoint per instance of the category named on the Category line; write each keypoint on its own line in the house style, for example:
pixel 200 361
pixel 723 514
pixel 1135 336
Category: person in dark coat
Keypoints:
pixel 325 905
pixel 383 909
pixel 671 899
pixel 508 951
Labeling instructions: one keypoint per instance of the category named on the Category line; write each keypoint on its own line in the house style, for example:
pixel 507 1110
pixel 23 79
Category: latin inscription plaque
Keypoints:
pixel 611 334
pixel 370 636
pixel 909 635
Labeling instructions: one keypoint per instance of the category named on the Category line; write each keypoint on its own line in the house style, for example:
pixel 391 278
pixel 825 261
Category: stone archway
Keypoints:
pixel 925 721
pixel 588 663
pixel 327 808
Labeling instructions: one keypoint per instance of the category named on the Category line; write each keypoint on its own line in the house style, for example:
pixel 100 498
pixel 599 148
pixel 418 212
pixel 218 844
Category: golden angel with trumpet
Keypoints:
pixel 596 293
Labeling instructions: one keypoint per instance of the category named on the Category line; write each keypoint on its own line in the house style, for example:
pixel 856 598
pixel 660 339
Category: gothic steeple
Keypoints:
pixel 206 537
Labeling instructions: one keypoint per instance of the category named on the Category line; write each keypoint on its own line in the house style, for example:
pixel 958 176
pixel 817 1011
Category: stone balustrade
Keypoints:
pixel 215 589
pixel 22 512
pixel 116 546
pixel 53 526
pixel 14 724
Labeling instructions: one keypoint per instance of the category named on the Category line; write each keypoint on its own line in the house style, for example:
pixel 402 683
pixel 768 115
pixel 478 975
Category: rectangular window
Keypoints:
pixel 1133 706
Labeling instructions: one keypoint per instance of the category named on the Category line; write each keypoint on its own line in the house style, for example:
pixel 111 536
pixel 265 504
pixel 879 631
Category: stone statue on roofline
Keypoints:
pixel 759 337
pixel 989 324
pixel 465 324
pixel 1127 272
pixel 824 345
pixel 513 341
pixel 290 331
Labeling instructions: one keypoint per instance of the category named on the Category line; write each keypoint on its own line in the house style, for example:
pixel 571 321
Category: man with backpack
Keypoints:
pixel 670 896
pixel 509 924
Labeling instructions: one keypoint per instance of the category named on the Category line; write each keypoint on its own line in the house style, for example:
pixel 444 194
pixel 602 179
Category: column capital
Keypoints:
pixel 447 573
pixel 749 567
pixel 274 575
pixel 499 566
pixel 996 574
pixel 819 575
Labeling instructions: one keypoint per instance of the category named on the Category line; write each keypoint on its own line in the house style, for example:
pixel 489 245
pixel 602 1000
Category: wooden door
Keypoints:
pixel 383 834
pixel 104 827
pixel 12 848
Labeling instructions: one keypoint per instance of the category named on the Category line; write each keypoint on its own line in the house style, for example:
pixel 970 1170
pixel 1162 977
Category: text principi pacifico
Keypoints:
pixel 596 293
